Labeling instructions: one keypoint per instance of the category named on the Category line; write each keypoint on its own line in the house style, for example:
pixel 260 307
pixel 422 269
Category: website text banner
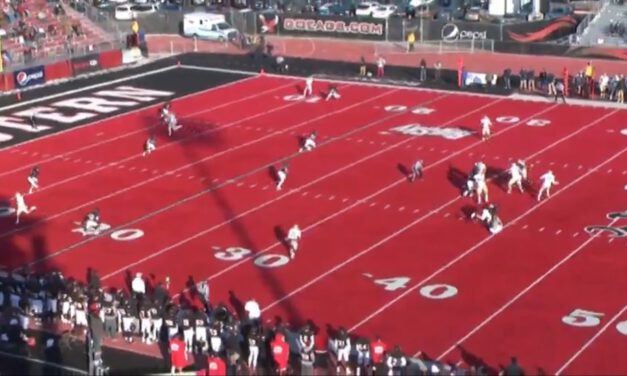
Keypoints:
pixel 331 26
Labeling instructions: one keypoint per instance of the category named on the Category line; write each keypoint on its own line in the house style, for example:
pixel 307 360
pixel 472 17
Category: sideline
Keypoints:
pixel 66 369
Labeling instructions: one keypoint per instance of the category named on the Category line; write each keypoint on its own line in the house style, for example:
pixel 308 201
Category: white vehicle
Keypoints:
pixel 384 11
pixel 129 12
pixel 366 9
pixel 208 26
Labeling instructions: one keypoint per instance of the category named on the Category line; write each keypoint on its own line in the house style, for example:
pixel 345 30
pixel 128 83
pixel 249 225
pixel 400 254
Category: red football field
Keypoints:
pixel 379 255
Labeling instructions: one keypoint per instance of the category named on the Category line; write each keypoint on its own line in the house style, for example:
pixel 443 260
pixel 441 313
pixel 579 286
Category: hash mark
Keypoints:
pixel 252 186
pixel 541 229
pixel 610 171
pixel 99 134
pixel 190 177
pixel 144 169
pixel 318 195
pixel 155 171
pixel 88 161
pixel 558 232
pixel 177 176
pixel 305 193
pixel 497 157
pixel 46 155
pixel 25 153
pixel 215 180
pixel 401 208
pixel 416 211
pixel 331 198
pixel 360 141
pixel 447 215
pixel 265 187
pixel 372 204
pixel 344 200
pixel 565 165
pixel 77 160
pixel 611 240
pixel 121 167
pixel 239 184
pixel 575 235
pixel 367 275
pixel 386 206
pixel 525 227
pixel 419 148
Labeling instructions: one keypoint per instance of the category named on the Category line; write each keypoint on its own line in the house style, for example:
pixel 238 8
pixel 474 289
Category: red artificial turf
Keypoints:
pixel 209 188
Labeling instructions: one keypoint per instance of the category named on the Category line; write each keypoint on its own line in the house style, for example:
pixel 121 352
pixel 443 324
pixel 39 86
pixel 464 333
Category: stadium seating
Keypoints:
pixel 34 30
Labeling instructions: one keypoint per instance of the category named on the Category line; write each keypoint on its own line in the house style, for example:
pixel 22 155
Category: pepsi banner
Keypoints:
pixel 29 77
pixel 86 64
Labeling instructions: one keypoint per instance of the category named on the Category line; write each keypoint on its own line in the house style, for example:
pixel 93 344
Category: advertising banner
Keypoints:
pixel 322 26
pixel 540 31
pixel 456 31
pixel 86 64
pixel 29 77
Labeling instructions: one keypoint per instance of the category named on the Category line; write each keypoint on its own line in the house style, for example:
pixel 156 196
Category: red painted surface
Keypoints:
pixel 363 221
pixel 61 69
pixel 111 59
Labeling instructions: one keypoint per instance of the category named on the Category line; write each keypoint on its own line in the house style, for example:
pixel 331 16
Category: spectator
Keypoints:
pixel 280 353
pixel 589 74
pixel 423 70
pixel 531 80
pixel 438 70
pixel 523 79
pixel 507 79
pixel 380 67
pixel 178 356
pixel 513 369
pixel 411 40
pixel 362 66
pixel 621 89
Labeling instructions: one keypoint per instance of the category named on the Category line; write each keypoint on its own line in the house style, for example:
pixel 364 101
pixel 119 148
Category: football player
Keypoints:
pixel 310 142
pixel 33 179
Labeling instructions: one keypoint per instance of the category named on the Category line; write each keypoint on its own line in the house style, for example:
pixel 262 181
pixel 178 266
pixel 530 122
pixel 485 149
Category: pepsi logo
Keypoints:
pixel 24 78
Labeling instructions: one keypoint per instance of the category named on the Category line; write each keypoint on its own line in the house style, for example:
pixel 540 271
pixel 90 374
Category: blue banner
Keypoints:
pixel 29 77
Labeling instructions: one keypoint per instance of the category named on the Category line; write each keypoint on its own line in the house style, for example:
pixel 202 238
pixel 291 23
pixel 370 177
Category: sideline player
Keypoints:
pixel 150 145
pixel 21 207
pixel 333 93
pixel 416 170
pixel 33 179
pixel 308 87
pixel 293 237
pixel 310 142
pixel 342 345
pixel 517 173
pixel 281 176
pixel 548 180
pixel 559 92
pixel 486 132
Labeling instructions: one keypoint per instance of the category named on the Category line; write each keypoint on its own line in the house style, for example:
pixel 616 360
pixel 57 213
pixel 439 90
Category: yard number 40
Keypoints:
pixel 613 231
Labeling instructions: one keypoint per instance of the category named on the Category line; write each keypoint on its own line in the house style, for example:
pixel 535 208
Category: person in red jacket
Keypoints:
pixel 215 366
pixel 378 348
pixel 280 353
pixel 178 356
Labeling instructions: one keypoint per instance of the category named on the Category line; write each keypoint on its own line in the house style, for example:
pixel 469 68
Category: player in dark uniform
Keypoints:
pixel 187 326
pixel 342 343
pixel 306 342
pixel 200 329
pixel 397 361
pixel 215 340
pixel 333 93
pixel 128 318
pixel 33 179
pixel 363 356
pixel 145 322
pixel 156 320
pixel 169 320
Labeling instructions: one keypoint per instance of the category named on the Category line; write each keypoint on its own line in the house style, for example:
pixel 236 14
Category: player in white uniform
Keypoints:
pixel 308 87
pixel 416 170
pixel 173 125
pixel 471 185
pixel 333 93
pixel 150 145
pixel 486 123
pixel 310 142
pixel 281 175
pixel 21 207
pixel 33 180
pixel 517 173
pixel 293 237
pixel 548 180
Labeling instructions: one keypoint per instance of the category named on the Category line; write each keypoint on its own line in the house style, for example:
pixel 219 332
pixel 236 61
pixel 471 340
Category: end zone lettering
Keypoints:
pixel 73 111
pixel 332 26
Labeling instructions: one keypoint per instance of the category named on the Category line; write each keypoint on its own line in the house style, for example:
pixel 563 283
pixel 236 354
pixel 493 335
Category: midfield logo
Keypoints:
pixel 421 130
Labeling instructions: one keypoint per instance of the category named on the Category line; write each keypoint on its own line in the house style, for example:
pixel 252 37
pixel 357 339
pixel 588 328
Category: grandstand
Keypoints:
pixel 41 31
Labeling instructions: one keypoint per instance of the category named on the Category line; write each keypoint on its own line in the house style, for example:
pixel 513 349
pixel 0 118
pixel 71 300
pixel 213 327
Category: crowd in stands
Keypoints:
pixel 35 29
pixel 205 335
